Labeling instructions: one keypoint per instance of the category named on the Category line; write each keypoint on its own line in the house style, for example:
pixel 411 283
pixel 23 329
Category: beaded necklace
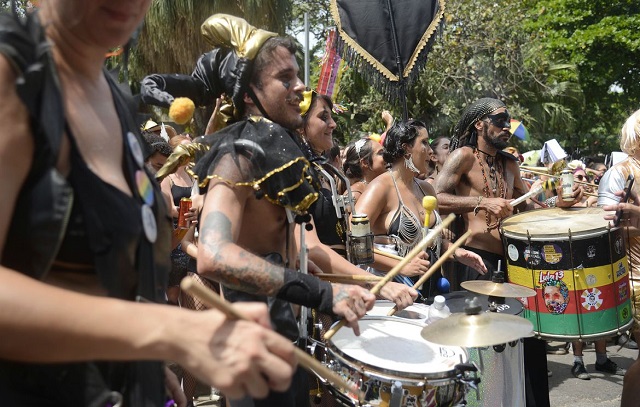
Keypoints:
pixel 497 189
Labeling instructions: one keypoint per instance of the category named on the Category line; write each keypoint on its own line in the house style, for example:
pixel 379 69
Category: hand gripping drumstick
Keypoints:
pixel 452 248
pixel 385 254
pixel 526 196
pixel 211 299
pixel 396 269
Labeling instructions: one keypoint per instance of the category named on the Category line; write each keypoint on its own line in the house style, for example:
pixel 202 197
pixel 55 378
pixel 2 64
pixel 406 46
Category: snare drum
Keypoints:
pixel 416 312
pixel 578 266
pixel 391 350
pixel 501 367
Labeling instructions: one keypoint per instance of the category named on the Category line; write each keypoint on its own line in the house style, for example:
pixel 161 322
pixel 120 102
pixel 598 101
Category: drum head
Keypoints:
pixel 417 312
pixel 394 347
pixel 556 223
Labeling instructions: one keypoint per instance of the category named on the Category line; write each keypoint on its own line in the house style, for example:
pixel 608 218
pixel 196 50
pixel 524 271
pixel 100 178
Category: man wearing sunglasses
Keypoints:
pixel 479 181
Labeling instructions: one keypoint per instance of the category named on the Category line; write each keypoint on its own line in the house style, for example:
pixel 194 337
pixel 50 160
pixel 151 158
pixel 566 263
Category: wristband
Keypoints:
pixel 477 208
pixel 306 290
pixel 551 202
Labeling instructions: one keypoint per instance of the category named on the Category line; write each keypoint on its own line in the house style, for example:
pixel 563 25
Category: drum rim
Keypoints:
pixel 417 379
pixel 600 335
pixel 559 236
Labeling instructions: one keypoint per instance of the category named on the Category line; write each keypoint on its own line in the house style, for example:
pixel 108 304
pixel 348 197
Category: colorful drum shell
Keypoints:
pixel 391 349
pixel 578 267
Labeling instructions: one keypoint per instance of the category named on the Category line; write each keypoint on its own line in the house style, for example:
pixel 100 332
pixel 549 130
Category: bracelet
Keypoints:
pixel 477 208
pixel 551 202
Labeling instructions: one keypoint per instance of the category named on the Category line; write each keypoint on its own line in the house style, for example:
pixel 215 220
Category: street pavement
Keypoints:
pixel 603 390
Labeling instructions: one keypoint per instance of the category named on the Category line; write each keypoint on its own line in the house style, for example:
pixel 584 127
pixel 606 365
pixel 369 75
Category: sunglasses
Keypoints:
pixel 501 120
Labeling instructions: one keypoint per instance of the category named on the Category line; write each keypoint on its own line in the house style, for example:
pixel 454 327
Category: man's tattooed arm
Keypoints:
pixel 226 262
pixel 460 162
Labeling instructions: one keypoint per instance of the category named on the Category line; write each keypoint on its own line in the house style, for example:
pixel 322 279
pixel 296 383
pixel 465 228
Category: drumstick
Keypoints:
pixel 398 267
pixel 452 248
pixel 526 196
pixel 312 365
pixel 356 277
pixel 385 254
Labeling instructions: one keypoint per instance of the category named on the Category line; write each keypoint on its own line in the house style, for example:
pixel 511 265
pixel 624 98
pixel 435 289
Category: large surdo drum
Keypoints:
pixel 577 265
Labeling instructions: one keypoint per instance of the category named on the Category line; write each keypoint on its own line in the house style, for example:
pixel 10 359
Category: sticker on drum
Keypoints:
pixel 391 350
pixel 416 312
pixel 512 250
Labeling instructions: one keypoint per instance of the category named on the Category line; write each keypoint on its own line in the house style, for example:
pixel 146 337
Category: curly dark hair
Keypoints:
pixel 402 132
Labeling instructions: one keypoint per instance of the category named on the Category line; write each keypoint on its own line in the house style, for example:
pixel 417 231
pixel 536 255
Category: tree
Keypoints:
pixel 475 56
pixel 169 40
pixel 602 38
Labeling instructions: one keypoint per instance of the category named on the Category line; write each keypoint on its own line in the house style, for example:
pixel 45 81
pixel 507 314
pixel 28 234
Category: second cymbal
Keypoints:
pixel 506 290
pixel 477 330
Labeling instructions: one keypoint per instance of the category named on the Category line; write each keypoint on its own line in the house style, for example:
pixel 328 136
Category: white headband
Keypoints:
pixel 359 144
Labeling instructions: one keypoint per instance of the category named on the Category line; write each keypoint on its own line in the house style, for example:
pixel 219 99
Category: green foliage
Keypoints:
pixel 552 61
pixel 602 38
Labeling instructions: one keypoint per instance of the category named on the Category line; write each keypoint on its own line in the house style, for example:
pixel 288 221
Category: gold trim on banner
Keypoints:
pixel 373 61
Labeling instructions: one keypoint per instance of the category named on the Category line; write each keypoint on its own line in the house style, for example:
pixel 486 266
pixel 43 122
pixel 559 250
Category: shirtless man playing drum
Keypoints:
pixel 479 181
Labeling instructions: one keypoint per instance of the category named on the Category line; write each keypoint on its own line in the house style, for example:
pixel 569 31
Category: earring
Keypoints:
pixel 408 162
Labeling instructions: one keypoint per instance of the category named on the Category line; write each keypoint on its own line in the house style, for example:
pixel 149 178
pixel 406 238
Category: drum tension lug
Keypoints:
pixel 462 369
pixel 499 348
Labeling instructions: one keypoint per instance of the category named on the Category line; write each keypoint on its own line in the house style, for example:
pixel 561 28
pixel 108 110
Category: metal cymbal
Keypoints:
pixel 477 330
pixel 505 290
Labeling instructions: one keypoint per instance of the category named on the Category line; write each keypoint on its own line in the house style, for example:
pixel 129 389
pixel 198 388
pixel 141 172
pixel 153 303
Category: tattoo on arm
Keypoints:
pixel 449 178
pixel 234 266
pixel 342 294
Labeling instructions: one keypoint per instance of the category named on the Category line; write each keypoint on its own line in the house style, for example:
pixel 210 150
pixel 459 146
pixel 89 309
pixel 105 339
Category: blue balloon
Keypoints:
pixel 443 285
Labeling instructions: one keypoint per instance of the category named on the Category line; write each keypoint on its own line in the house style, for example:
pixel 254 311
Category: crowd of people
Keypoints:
pixel 94 249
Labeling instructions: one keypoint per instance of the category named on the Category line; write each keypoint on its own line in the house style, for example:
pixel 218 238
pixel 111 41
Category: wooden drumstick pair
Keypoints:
pixel 435 266
pixel 398 267
pixel 212 299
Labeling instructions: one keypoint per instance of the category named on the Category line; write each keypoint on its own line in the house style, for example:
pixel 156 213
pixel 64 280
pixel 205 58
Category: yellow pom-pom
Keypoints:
pixel 181 110
pixel 375 137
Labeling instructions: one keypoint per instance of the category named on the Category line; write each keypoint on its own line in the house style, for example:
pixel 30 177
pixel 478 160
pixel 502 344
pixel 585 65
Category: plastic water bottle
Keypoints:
pixel 438 309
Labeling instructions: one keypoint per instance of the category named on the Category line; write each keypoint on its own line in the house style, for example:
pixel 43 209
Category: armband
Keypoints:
pixel 306 290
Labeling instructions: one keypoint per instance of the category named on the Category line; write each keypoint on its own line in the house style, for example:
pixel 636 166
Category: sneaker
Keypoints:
pixel 625 341
pixel 579 371
pixel 549 373
pixel 610 367
pixel 556 350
